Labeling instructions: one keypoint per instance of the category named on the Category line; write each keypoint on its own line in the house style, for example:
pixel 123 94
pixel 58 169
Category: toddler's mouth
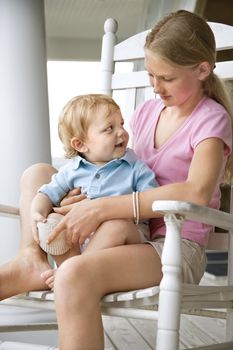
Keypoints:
pixel 120 144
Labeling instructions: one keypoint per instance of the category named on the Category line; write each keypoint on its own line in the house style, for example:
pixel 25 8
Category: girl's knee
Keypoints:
pixel 36 170
pixel 41 171
pixel 78 274
pixel 71 272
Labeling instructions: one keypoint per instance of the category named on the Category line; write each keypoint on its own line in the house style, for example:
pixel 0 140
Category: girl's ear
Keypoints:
pixel 78 145
pixel 204 70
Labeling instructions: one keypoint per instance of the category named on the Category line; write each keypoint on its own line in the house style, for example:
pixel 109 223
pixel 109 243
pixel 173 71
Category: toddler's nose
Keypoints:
pixel 120 132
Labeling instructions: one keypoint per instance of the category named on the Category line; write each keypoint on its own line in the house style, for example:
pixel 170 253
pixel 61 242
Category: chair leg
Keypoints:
pixel 170 286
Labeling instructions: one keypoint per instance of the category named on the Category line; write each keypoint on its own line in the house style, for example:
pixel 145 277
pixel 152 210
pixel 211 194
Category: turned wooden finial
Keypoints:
pixel 110 25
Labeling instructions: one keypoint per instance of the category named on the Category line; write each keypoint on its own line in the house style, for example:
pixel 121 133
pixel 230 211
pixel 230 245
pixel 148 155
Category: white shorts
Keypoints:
pixel 144 232
pixel 194 259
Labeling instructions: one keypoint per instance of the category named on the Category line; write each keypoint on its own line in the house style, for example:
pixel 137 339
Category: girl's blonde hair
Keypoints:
pixel 186 39
pixel 78 114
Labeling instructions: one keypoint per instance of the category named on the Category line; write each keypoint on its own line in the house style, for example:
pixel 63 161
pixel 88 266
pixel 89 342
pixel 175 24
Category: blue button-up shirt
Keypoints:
pixel 117 177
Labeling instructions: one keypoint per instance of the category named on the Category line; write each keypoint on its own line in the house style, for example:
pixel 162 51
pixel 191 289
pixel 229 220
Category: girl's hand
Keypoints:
pixel 80 221
pixel 73 196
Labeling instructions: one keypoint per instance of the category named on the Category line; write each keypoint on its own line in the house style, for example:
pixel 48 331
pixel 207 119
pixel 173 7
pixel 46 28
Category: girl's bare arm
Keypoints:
pixel 83 218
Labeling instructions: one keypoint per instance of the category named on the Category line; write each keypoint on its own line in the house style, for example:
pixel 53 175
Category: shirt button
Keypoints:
pixel 97 176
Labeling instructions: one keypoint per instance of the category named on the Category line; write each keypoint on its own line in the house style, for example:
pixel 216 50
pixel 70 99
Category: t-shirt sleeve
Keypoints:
pixel 57 188
pixel 214 122
pixel 145 177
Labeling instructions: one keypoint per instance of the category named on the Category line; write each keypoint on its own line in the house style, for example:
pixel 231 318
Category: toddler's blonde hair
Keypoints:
pixel 77 116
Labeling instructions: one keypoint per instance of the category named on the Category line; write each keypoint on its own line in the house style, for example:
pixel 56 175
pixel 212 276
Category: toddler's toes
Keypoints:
pixel 48 277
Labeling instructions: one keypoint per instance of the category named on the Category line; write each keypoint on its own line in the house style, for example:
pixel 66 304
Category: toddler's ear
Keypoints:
pixel 78 145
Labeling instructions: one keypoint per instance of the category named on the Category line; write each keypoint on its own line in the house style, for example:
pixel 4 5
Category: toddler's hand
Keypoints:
pixel 35 218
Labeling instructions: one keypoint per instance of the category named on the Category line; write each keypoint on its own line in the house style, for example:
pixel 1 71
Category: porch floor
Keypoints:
pixel 131 334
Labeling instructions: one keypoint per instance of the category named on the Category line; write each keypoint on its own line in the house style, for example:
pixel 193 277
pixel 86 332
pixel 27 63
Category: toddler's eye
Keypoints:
pixel 109 128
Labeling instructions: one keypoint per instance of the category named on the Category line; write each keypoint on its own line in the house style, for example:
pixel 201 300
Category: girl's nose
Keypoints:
pixel 156 85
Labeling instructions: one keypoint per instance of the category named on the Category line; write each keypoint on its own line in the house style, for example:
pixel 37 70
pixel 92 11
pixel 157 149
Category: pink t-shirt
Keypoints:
pixel 171 161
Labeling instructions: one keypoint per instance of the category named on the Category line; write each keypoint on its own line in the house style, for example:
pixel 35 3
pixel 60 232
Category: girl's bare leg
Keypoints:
pixel 23 272
pixel 82 281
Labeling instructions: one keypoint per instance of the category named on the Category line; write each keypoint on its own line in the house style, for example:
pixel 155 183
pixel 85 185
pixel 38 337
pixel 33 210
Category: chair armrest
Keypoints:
pixel 188 210
pixel 195 212
pixel 6 210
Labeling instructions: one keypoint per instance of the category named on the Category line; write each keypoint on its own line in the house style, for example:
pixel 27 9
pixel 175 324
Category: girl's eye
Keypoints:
pixel 167 79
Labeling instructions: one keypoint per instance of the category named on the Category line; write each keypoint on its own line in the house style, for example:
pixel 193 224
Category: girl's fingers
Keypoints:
pixel 74 192
pixel 56 231
pixel 62 210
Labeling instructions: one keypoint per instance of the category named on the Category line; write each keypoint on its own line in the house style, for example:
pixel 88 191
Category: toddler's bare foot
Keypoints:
pixel 49 277
pixel 22 274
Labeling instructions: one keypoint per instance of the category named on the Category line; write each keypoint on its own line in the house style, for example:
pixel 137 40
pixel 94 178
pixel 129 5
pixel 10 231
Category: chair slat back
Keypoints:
pixel 131 51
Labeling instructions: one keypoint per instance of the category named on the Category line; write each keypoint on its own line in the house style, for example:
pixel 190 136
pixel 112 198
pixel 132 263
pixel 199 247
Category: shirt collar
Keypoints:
pixel 128 157
pixel 77 160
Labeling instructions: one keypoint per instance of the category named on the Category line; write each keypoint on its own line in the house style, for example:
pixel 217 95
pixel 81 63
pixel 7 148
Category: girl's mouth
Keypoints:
pixel 163 97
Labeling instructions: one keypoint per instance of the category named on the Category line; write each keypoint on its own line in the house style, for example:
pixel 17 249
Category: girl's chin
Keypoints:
pixel 168 103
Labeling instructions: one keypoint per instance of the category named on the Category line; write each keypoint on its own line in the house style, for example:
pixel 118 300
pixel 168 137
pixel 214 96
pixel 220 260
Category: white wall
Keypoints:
pixel 24 116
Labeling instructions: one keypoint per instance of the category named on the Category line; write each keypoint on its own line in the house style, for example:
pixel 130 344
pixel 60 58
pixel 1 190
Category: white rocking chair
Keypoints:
pixel 166 302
